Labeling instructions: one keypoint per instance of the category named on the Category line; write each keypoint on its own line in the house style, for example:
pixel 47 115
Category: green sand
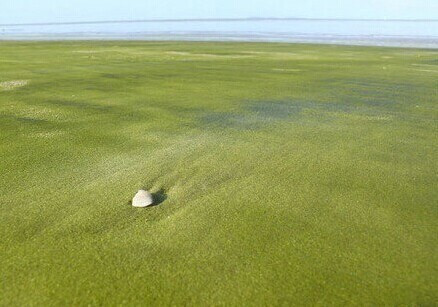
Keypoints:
pixel 287 174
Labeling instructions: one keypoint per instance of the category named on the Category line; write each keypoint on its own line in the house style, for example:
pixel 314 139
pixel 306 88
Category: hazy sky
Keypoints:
pixel 23 11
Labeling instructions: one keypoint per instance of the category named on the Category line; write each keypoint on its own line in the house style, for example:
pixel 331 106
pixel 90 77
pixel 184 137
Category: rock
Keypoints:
pixel 142 199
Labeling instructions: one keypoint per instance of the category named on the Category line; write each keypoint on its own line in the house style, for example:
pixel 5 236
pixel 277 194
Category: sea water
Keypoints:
pixel 387 33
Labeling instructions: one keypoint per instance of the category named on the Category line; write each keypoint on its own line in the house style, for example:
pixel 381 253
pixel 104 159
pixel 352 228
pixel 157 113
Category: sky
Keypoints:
pixel 34 11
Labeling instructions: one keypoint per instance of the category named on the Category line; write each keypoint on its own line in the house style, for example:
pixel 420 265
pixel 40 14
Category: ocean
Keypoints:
pixel 399 33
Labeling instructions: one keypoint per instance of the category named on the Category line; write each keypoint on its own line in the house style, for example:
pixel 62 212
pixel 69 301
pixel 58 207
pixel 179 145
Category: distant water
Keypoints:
pixel 379 33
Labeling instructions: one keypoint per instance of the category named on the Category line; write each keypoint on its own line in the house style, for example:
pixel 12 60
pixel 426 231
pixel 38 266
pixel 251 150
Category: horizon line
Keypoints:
pixel 213 20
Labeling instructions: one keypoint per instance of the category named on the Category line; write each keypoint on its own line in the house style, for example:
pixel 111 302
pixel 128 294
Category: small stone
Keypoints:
pixel 142 199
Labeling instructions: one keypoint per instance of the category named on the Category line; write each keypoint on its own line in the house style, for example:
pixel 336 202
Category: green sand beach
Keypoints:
pixel 287 174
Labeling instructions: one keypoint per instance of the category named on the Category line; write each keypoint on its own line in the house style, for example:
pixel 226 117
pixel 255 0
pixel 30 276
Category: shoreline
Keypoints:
pixel 238 37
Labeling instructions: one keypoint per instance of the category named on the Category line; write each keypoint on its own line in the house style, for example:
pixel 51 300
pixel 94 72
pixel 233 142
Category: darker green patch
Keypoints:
pixel 24 119
pixel 253 115
pixel 373 93
pixel 85 106
pixel 111 76
pixel 256 115
pixel 275 110
pixel 30 120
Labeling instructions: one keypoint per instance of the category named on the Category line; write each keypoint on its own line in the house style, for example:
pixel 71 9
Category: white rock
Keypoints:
pixel 142 199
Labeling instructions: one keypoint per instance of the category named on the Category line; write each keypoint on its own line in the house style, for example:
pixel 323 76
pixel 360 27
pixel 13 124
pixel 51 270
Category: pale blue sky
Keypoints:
pixel 25 11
